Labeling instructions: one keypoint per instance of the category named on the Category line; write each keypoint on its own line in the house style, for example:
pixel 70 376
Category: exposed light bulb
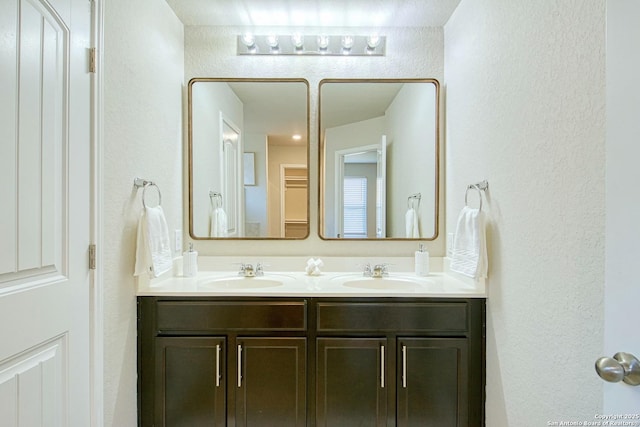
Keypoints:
pixel 323 42
pixel 272 42
pixel 296 137
pixel 297 40
pixel 373 41
pixel 347 42
pixel 249 40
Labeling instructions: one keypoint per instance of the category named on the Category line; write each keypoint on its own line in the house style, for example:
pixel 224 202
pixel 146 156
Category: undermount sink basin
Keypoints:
pixel 241 282
pixel 381 283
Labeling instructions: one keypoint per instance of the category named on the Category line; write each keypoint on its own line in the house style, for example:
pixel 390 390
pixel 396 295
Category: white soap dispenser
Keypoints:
pixel 422 261
pixel 190 262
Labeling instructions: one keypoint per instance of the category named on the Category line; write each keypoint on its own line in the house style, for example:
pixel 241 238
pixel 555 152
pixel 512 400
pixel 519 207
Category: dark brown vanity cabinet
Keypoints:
pixel 353 382
pixel 217 362
pixel 400 363
pixel 311 361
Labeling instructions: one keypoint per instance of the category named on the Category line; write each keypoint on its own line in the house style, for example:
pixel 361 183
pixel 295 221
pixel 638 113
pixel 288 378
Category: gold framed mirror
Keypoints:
pixel 379 158
pixel 248 154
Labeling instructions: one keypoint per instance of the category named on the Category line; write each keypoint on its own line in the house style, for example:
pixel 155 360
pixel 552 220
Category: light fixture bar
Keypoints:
pixel 322 44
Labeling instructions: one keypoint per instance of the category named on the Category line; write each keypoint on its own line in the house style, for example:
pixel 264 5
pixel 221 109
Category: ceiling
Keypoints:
pixel 315 13
pixel 279 110
pixel 350 103
pixel 276 109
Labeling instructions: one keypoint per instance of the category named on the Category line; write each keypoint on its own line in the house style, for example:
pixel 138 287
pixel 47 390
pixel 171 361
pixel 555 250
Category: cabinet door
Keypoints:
pixel 271 381
pixel 351 382
pixel 432 387
pixel 190 385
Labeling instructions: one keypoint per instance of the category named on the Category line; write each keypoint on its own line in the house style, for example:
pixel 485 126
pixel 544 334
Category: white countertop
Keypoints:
pixel 337 282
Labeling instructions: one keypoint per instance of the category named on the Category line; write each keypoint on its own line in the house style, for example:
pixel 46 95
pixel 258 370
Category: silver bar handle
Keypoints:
pixel 381 366
pixel 217 365
pixel 239 365
pixel 404 366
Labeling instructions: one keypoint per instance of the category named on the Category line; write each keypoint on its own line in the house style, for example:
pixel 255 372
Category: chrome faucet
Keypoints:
pixel 247 270
pixel 377 271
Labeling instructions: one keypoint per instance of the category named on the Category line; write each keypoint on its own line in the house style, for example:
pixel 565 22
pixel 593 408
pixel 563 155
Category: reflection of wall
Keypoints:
pixel 409 131
pixel 366 132
pixel 369 171
pixel 277 155
pixel 256 196
pixel 208 101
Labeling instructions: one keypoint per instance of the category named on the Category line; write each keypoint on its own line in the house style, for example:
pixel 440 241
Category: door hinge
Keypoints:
pixel 92 60
pixel 92 257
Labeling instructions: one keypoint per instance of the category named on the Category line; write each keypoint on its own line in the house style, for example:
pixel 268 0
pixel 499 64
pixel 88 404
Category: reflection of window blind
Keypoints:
pixel 355 207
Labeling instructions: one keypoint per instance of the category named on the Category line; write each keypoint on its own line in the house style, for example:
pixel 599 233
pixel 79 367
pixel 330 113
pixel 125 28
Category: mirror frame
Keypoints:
pixel 321 159
pixel 190 149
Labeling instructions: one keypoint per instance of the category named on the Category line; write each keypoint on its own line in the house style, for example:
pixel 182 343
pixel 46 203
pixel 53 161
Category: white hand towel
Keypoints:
pixel 412 226
pixel 153 252
pixel 469 244
pixel 218 226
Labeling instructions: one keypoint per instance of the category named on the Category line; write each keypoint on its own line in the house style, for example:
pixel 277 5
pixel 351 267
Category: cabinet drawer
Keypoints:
pixel 418 317
pixel 230 315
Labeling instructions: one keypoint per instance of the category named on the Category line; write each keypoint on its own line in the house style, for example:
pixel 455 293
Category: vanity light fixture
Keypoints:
pixel 322 44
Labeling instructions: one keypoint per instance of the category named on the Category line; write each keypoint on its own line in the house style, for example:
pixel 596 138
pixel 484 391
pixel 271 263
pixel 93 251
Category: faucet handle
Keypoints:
pixel 366 271
pixel 259 271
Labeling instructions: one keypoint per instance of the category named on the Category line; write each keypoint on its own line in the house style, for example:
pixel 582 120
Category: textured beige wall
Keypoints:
pixel 143 79
pixel 525 89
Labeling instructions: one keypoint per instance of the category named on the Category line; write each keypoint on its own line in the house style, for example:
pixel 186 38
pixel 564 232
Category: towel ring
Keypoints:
pixel 216 199
pixel 144 191
pixel 413 201
pixel 466 194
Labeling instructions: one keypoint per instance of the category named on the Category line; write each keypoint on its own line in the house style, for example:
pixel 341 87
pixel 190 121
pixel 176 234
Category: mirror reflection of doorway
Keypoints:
pixel 361 191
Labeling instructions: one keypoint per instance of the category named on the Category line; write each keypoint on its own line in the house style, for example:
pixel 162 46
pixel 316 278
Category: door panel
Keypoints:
pixel 22 379
pixel 351 377
pixel 433 388
pixel 271 385
pixel 44 185
pixel 190 381
pixel 35 150
pixel 622 292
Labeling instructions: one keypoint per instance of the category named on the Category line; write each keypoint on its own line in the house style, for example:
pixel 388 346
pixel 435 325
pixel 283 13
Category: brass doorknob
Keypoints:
pixel 621 367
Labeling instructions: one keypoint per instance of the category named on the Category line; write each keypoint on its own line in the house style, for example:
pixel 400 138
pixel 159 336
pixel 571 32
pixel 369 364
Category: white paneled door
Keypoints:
pixel 45 178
